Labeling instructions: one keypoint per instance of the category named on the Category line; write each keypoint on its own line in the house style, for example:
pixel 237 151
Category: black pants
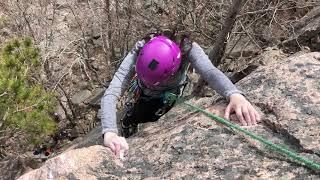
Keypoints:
pixel 146 109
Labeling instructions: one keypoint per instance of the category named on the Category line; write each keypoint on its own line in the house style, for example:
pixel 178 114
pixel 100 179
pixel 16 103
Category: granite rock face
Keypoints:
pixel 289 94
pixel 185 144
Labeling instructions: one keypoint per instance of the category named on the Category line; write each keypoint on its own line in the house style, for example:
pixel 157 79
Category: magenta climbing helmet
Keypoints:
pixel 159 59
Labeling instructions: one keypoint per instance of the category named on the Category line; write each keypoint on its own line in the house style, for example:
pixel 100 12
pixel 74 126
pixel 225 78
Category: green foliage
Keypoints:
pixel 24 104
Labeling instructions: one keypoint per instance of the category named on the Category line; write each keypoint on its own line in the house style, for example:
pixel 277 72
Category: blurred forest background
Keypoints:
pixel 57 56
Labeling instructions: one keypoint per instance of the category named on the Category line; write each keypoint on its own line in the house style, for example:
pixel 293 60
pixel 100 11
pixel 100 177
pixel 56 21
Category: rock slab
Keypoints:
pixel 188 145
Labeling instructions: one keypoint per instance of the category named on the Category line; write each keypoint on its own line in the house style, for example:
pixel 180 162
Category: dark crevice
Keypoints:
pixel 242 74
pixel 277 157
pixel 279 129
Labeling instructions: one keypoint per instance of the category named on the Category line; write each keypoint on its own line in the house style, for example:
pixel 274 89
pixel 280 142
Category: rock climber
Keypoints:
pixel 153 72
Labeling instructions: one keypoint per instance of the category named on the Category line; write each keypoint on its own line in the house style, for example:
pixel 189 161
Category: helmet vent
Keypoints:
pixel 153 64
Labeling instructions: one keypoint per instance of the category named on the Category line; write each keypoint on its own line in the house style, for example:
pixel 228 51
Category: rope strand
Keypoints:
pixel 280 149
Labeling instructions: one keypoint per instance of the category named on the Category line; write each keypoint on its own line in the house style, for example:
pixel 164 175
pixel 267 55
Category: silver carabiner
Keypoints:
pixel 160 112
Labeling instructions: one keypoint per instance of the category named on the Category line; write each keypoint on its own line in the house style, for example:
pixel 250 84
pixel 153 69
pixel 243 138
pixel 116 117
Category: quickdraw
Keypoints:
pixel 169 98
pixel 134 90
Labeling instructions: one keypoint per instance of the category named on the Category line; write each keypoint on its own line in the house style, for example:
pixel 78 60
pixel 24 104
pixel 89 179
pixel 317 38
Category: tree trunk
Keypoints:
pixel 108 39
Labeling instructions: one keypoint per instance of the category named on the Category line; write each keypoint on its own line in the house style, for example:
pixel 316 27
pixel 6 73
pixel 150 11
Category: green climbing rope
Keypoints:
pixel 278 148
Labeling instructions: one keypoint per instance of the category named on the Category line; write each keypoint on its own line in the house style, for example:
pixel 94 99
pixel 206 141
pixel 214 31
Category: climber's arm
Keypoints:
pixel 219 82
pixel 215 78
pixel 117 87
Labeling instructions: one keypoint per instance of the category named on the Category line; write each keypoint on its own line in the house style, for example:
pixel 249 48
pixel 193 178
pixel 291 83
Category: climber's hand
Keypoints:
pixel 244 110
pixel 115 143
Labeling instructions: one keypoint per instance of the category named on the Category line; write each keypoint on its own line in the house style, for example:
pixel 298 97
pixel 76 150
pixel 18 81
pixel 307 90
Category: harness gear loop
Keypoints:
pixel 134 90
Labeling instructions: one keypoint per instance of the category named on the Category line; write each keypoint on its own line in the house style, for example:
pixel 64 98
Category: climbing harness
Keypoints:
pixel 170 98
pixel 275 147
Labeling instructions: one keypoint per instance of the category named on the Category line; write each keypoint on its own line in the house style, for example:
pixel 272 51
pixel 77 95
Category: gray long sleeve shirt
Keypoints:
pixel 120 82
